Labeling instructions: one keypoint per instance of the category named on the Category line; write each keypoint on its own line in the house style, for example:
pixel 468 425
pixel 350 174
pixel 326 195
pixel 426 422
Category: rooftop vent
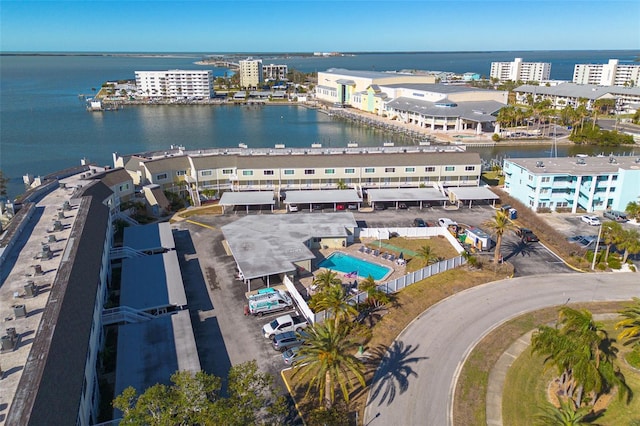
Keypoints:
pixel 612 160
pixel 539 164
pixel 581 161
pixel 20 311
pixel 30 289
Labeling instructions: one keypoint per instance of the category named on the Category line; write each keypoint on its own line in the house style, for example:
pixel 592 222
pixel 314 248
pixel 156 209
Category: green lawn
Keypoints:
pixel 440 247
pixel 527 381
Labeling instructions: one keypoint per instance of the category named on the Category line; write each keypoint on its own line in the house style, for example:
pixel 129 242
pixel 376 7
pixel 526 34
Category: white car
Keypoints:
pixel 446 222
pixel 591 220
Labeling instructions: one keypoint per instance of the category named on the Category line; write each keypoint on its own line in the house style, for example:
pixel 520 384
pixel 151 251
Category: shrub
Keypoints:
pixel 496 137
pixel 633 357
pixel 614 262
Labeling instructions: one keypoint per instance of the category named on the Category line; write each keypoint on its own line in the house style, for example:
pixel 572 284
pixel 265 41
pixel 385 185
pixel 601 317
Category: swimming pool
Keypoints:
pixel 346 264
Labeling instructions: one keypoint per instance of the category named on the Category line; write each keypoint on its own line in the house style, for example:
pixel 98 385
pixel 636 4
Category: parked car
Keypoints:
pixel 340 207
pixel 284 324
pixel 290 354
pixel 293 208
pixel 283 341
pixel 446 222
pixel 615 215
pixel 379 206
pixel 352 206
pixel 403 206
pixel 591 220
pixel 527 235
pixel 419 223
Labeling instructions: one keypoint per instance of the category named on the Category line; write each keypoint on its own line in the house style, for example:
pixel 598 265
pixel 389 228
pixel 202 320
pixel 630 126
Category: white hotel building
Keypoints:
pixel 609 74
pixel 175 84
pixel 251 74
pixel 520 71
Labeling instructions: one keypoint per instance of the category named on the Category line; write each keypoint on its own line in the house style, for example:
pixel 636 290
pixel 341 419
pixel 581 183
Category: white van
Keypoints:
pixel 271 301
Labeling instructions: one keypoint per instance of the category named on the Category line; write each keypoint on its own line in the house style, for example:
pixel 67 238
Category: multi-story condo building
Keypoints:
pixel 175 84
pixel 579 183
pixel 520 71
pixel 283 169
pixel 610 74
pixel 571 94
pixel 274 72
pixel 251 72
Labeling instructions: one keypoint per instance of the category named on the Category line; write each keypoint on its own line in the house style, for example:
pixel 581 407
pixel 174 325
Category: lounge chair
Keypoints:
pixel 376 252
pixel 391 257
pixel 362 249
pixel 367 250
pixel 385 256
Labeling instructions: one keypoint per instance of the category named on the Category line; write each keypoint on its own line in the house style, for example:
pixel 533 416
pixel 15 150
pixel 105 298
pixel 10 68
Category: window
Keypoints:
pixel 181 172
pixel 227 171
pixel 614 177
pixel 124 187
pixel 349 171
pixel 268 172
pixel 449 168
pixel 546 179
pixel 530 178
pixel 247 173
pixel 206 173
pixel 161 176
pixel 329 171
pixel 389 169
pixel 469 168
pixel 544 191
pixel 430 169
pixel 369 170
pixel 288 172
pixel 309 172
pixel 409 169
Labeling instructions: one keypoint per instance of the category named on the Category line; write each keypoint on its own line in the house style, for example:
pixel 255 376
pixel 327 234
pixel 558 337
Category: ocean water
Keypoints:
pixel 44 126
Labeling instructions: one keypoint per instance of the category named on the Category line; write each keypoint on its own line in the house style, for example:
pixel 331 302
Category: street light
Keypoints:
pixel 595 253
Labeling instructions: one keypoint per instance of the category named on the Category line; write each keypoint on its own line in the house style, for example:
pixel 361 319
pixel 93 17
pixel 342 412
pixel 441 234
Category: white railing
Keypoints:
pixel 124 314
pixel 125 253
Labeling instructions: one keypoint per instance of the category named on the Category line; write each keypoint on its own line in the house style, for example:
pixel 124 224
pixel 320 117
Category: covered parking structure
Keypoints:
pixel 247 199
pixel 269 247
pixel 423 196
pixel 328 196
pixel 461 195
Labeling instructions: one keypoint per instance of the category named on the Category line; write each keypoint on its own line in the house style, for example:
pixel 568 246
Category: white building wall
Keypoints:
pixel 609 74
pixel 174 84
pixel 520 71
pixel 250 72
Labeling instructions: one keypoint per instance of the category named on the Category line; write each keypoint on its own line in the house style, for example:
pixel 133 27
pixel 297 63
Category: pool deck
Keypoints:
pixel 352 250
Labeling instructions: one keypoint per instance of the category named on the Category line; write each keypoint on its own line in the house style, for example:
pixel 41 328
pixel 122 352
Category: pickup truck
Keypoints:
pixel 283 324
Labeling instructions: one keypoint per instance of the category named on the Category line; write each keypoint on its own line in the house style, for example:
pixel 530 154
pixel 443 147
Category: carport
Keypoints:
pixel 398 195
pixel 328 196
pixel 248 198
pixel 461 195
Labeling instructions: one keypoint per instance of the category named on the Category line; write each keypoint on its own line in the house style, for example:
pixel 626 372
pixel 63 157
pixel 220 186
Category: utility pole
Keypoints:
pixel 595 253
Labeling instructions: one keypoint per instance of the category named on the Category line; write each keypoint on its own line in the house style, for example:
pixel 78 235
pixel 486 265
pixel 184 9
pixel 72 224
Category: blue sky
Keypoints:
pixel 307 26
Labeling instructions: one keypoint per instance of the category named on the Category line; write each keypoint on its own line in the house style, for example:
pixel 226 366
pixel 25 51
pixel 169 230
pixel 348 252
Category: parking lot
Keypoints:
pixel 225 336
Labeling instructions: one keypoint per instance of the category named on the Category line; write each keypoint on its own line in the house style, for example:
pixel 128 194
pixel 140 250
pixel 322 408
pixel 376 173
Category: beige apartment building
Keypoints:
pixel 302 169
pixel 251 74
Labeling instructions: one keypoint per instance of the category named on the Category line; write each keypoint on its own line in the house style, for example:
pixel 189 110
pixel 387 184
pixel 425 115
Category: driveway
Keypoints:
pixel 416 381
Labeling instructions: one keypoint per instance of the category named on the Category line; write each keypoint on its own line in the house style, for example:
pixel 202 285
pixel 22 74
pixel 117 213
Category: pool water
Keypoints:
pixel 346 264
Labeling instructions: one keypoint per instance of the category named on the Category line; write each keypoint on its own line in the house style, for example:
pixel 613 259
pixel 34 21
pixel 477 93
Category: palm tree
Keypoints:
pixel 327 359
pixel 630 243
pixel 498 226
pixel 333 299
pixel 630 325
pixel 425 253
pixel 325 279
pixel 375 296
pixel 633 209
pixel 567 414
pixel 583 354
pixel 611 234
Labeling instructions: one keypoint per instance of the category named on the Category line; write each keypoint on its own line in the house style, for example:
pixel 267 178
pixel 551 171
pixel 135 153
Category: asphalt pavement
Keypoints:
pixel 415 383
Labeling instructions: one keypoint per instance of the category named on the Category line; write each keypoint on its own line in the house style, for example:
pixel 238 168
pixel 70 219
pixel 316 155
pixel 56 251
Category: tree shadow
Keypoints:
pixel 517 248
pixel 393 372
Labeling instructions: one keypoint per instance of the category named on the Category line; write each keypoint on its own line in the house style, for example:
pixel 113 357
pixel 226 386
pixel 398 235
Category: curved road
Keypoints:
pixel 414 384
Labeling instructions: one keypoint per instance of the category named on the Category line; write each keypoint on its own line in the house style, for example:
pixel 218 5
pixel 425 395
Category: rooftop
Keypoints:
pixel 579 165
